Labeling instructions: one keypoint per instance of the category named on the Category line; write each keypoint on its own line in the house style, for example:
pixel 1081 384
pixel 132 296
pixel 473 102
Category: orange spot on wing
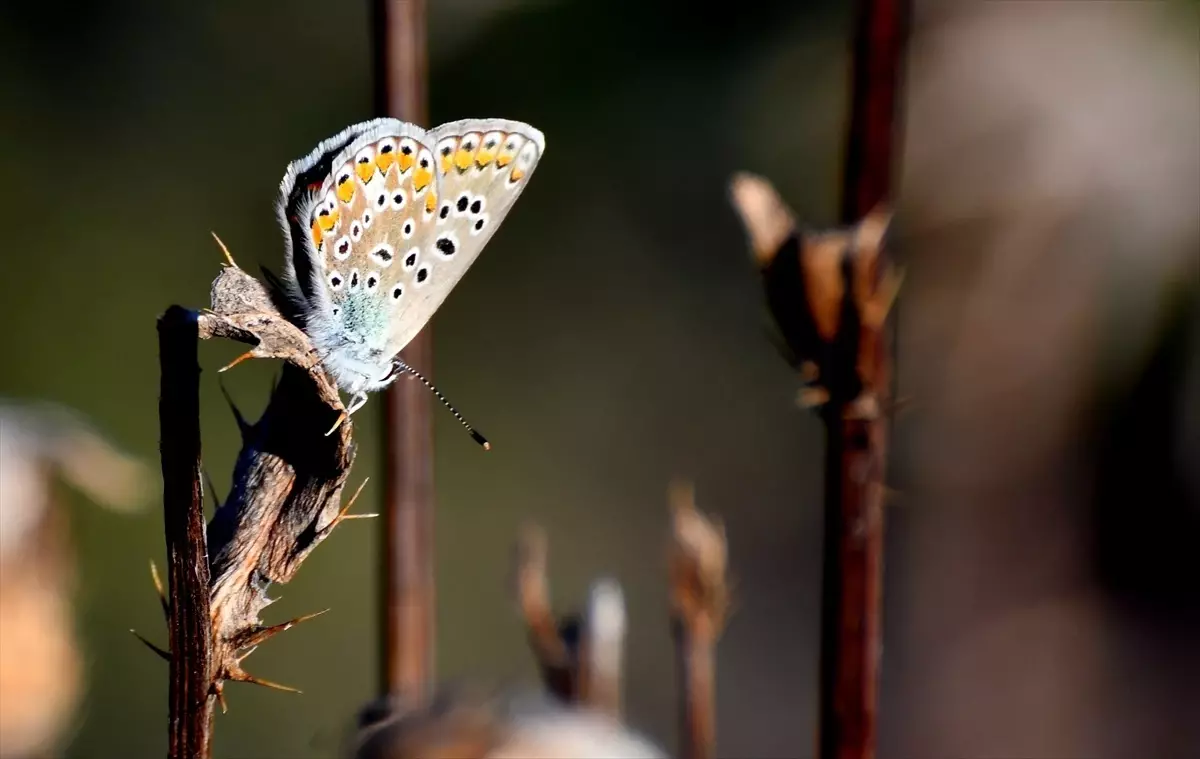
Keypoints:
pixel 345 191
pixel 328 221
pixel 462 159
pixel 516 175
pixel 431 201
pixel 445 162
pixel 406 161
pixel 484 157
pixel 365 171
pixel 316 233
pixel 384 161
pixel 507 154
pixel 421 179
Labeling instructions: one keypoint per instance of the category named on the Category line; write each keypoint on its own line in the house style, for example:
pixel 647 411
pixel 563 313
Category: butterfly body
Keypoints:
pixel 381 221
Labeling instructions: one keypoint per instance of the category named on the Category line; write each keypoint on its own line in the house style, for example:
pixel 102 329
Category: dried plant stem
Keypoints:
pixel 554 642
pixel 695 651
pixel 697 557
pixel 285 500
pixel 856 446
pixel 189 627
pixel 408 586
pixel 581 655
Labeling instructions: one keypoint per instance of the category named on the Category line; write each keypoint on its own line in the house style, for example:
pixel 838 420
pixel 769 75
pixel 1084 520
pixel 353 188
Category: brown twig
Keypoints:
pixel 189 632
pixel 830 295
pixel 697 558
pixel 554 641
pixel 580 656
pixel 408 586
pixel 857 442
pixel 286 498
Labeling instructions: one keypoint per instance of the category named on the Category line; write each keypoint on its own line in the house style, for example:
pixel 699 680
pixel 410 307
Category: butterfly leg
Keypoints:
pixel 357 402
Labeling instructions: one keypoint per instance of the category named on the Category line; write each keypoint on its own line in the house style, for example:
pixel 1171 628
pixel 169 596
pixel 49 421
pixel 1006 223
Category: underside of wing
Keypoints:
pixel 482 166
pixel 300 191
pixel 384 218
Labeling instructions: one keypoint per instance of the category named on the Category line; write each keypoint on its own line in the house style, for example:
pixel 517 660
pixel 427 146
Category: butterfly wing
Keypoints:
pixel 299 192
pixel 381 226
pixel 481 167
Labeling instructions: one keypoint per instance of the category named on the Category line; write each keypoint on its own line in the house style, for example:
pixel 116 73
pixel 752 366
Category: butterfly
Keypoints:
pixel 380 221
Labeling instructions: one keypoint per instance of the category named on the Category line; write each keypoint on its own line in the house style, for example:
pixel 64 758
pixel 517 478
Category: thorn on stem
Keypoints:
pixel 243 426
pixel 164 654
pixel 236 361
pixel 219 691
pixel 241 676
pixel 162 593
pixel 343 515
pixel 257 636
pixel 341 418
pixel 225 250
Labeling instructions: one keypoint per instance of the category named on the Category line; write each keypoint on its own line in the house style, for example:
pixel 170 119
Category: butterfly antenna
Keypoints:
pixel 474 433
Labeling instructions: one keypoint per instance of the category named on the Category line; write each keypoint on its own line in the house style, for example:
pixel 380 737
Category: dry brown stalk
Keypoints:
pixel 697 558
pixel 285 500
pixel 579 655
pixel 830 295
pixel 409 613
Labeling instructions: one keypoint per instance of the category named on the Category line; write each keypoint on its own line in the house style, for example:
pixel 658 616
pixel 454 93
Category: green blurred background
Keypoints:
pixel 1041 597
pixel 610 339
